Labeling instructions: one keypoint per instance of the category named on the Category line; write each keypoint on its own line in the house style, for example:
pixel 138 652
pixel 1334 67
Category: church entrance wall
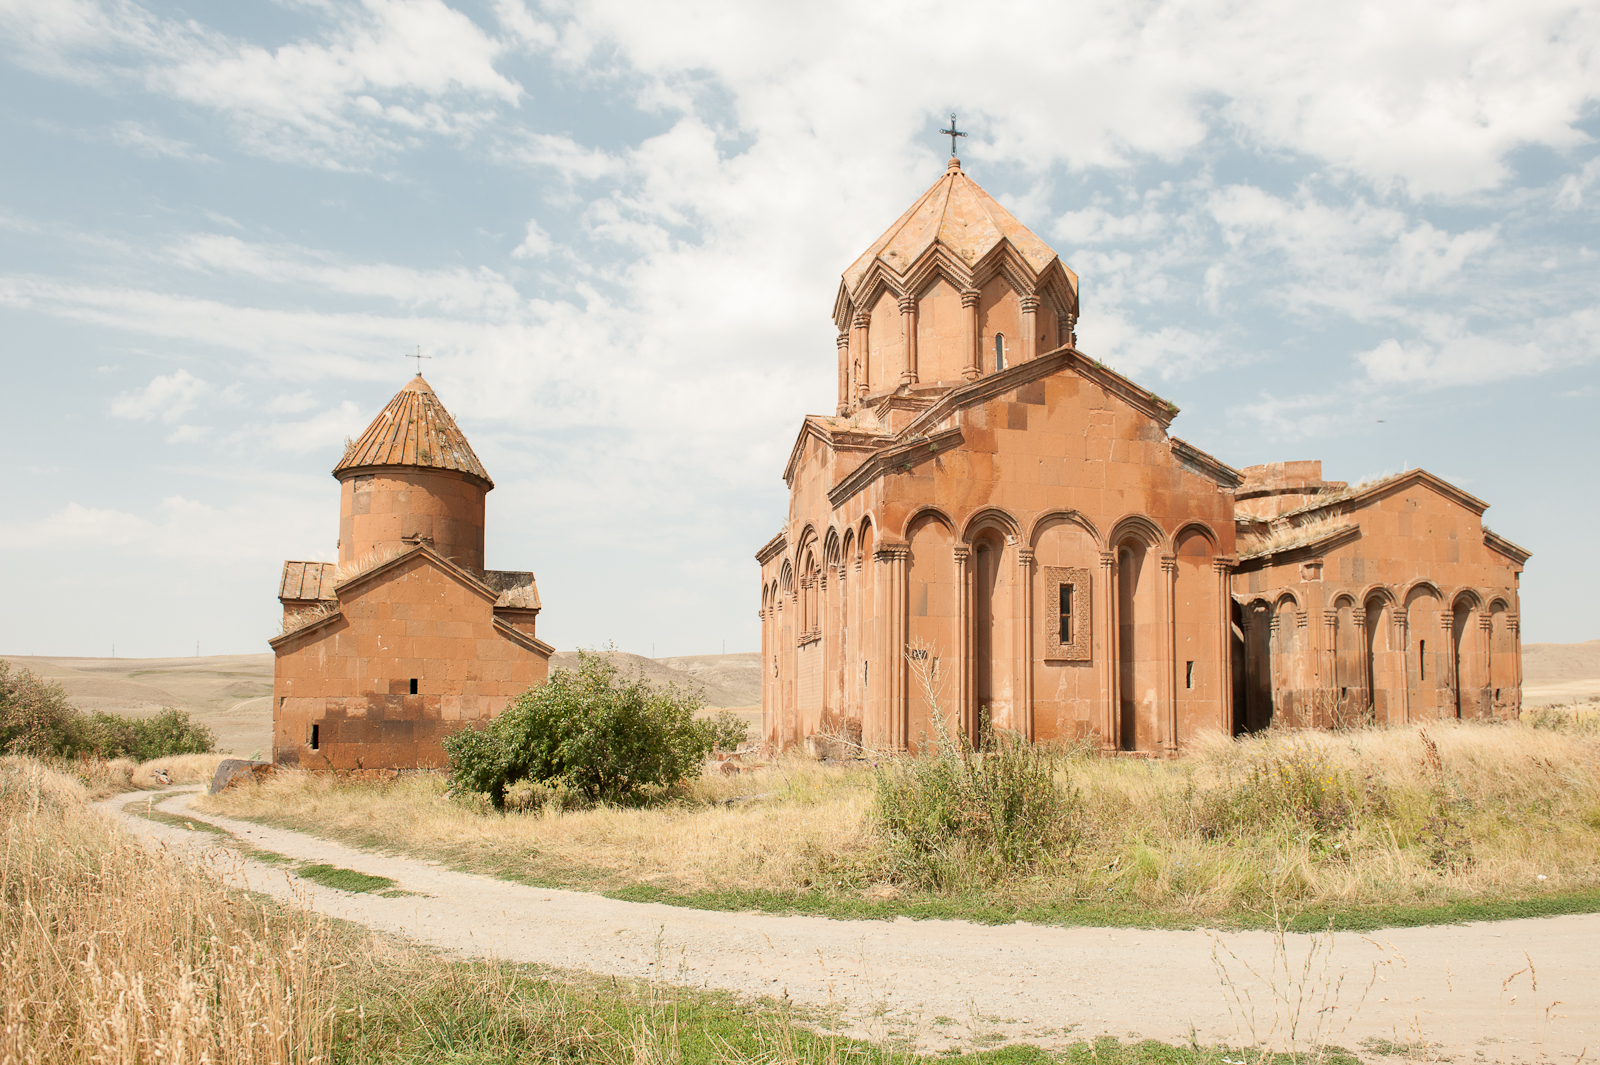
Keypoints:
pixel 1505 660
pixel 1139 651
pixel 1200 625
pixel 933 634
pixel 1069 649
pixel 1257 618
pixel 1468 659
pixel 993 633
pixel 1427 656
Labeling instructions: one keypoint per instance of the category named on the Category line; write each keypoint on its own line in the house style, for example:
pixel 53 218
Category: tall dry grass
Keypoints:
pixel 779 827
pixel 1283 820
pixel 111 953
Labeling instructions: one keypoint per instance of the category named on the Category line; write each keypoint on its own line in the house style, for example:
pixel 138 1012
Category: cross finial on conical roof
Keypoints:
pixel 953 133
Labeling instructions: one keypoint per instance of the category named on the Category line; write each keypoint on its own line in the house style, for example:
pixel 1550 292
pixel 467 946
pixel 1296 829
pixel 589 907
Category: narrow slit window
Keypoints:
pixel 1188 675
pixel 315 737
pixel 413 685
pixel 1066 614
pixel 1422 659
pixel 999 352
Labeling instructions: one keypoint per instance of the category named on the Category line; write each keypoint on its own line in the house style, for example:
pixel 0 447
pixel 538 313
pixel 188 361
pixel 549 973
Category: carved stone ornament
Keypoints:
pixel 1078 649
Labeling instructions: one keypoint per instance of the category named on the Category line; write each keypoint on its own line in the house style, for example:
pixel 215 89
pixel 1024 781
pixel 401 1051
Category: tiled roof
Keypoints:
pixel 517 588
pixel 414 430
pixel 306 580
pixel 959 215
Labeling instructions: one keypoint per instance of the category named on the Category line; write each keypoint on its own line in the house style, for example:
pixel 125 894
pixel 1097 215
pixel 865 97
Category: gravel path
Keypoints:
pixel 954 984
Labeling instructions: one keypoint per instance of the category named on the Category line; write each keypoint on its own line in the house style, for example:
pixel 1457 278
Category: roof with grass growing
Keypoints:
pixel 414 430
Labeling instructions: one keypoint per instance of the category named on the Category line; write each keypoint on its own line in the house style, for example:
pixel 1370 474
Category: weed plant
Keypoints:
pixel 963 819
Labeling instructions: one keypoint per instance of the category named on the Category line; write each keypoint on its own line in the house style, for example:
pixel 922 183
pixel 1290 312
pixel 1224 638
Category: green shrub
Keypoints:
pixel 587 731
pixel 36 719
pixel 143 738
pixel 958 816
pixel 726 731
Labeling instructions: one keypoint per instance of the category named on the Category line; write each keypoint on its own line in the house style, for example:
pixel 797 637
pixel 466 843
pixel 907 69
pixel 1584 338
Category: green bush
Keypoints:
pixel 36 719
pixel 143 738
pixel 726 731
pixel 606 739
pixel 958 817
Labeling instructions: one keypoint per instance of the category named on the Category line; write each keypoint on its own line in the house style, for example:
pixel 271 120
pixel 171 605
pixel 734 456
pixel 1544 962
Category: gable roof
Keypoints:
pixel 928 433
pixel 306 580
pixel 505 589
pixel 1363 494
pixel 463 576
pixel 414 429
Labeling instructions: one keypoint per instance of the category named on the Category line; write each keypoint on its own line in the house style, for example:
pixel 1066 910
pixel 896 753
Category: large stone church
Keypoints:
pixel 408 637
pixel 995 529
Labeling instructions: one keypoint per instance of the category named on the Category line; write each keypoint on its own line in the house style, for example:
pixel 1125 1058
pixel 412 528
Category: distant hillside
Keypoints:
pixel 1560 672
pixel 725 681
pixel 232 694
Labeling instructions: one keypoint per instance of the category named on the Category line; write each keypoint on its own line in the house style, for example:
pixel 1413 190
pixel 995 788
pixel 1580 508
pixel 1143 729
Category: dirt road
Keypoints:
pixel 1463 989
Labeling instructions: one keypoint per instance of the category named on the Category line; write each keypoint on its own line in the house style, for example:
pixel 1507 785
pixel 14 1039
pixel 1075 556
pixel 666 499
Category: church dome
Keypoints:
pixel 955 290
pixel 958 230
pixel 414 430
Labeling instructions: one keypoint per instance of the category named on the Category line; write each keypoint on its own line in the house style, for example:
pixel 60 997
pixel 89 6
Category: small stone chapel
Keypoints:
pixel 408 637
pixel 994 529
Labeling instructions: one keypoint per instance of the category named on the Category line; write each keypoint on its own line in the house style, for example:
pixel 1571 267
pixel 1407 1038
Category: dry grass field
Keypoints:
pixel 110 954
pixel 1284 822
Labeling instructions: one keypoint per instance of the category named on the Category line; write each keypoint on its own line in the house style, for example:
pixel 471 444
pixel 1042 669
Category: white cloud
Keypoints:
pixel 291 403
pixel 536 245
pixel 324 431
pixel 1355 258
pixel 148 142
pixel 188 434
pixel 382 72
pixel 166 398
pixel 1449 354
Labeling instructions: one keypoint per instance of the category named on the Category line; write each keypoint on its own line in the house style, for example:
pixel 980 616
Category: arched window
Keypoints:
pixel 999 352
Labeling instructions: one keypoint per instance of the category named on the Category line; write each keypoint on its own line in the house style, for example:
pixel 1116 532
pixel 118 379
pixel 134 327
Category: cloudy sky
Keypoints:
pixel 1367 233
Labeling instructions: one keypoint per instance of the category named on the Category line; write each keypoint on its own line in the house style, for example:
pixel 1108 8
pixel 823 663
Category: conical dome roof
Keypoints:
pixel 961 219
pixel 414 430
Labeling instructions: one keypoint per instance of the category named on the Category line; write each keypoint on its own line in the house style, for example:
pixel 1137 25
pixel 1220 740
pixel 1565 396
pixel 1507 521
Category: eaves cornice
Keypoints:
pixel 1500 545
pixel 910 451
pixel 1297 552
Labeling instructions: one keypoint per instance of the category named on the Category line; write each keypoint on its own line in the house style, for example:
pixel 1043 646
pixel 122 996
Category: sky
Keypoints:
pixel 1365 233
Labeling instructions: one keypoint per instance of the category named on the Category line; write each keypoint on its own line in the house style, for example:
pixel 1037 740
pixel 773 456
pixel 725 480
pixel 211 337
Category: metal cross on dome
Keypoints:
pixel 419 356
pixel 952 133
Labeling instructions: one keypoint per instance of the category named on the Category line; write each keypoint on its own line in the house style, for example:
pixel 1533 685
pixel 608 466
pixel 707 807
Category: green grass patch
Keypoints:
pixel 341 879
pixel 332 876
pixel 161 817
